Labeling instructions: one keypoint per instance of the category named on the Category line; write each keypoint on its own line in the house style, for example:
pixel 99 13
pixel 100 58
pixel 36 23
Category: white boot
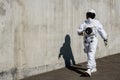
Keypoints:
pixel 93 70
pixel 89 72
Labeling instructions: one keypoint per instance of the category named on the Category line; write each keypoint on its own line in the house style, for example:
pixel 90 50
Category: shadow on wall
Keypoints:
pixel 66 52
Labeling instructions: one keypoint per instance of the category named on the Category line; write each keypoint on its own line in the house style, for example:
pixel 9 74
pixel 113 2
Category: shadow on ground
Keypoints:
pixel 79 70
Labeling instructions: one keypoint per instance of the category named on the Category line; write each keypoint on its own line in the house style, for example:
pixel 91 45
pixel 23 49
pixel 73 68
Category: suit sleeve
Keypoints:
pixel 80 29
pixel 101 31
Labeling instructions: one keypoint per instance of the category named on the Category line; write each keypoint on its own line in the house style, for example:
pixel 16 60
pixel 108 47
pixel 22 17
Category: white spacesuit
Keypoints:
pixel 90 30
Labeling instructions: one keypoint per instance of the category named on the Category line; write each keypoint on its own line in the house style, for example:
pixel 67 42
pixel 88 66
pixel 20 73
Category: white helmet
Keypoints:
pixel 92 11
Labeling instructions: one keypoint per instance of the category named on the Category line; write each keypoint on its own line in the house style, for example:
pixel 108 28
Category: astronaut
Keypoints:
pixel 90 29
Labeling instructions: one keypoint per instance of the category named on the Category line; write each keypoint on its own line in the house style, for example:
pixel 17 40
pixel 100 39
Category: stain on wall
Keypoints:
pixel 2 9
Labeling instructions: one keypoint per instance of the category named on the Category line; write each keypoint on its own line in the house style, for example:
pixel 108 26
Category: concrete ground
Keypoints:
pixel 108 69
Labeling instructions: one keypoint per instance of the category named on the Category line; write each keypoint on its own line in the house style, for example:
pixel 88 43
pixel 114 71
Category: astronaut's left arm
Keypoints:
pixel 102 33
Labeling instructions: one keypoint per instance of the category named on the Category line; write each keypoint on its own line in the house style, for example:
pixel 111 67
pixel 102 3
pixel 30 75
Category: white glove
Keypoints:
pixel 106 42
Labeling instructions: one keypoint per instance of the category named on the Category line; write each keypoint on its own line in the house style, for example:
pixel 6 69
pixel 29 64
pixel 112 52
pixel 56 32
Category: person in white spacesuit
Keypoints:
pixel 90 29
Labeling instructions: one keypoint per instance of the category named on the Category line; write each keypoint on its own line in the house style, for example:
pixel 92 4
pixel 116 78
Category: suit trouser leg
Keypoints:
pixel 91 54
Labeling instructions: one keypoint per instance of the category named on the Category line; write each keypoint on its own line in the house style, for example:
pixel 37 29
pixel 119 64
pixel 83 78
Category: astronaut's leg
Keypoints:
pixel 86 47
pixel 91 54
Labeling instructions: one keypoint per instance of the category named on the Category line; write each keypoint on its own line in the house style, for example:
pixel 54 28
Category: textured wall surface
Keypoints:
pixel 33 33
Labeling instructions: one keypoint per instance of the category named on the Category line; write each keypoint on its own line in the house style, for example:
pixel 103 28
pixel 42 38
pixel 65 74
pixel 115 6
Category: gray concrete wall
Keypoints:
pixel 33 33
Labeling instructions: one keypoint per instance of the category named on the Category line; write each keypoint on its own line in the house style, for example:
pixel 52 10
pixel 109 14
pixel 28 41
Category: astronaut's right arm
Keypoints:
pixel 81 29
